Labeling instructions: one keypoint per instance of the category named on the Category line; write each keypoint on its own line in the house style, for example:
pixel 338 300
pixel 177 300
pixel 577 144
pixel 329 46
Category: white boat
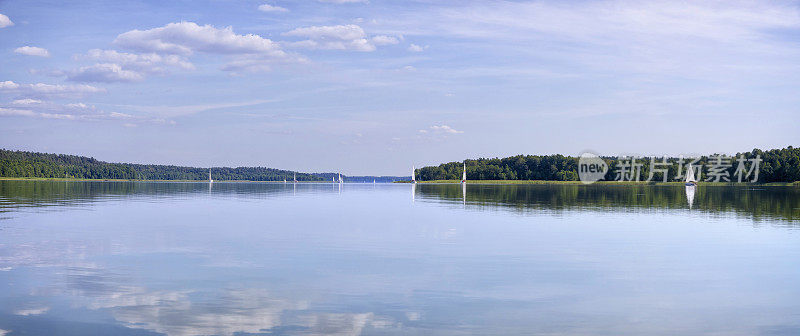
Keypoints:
pixel 295 177
pixel 464 174
pixel 209 176
pixel 690 181
pixel 413 170
pixel 340 178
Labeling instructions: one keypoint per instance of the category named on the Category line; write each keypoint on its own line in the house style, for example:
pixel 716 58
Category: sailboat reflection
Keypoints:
pixel 464 193
pixel 690 189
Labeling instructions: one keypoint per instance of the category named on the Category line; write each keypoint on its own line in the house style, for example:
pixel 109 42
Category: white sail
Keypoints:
pixel 340 178
pixel 413 170
pixel 209 176
pixel 295 177
pixel 690 175
pixel 464 174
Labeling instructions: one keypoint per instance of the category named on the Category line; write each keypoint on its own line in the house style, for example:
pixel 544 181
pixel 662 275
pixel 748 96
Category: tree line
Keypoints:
pixel 44 165
pixel 776 165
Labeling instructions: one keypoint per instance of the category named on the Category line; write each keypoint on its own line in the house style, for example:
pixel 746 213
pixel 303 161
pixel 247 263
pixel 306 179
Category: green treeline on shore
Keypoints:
pixel 20 164
pixel 777 165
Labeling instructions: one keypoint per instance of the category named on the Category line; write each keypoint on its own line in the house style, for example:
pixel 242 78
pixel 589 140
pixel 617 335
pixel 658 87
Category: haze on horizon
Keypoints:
pixel 372 87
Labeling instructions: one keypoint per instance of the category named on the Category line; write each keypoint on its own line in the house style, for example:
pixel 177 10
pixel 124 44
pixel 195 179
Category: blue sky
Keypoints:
pixel 373 87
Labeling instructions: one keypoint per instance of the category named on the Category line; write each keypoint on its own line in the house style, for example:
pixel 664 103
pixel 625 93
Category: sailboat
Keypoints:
pixel 690 181
pixel 340 178
pixel 295 177
pixel 413 170
pixel 373 181
pixel 464 174
pixel 209 176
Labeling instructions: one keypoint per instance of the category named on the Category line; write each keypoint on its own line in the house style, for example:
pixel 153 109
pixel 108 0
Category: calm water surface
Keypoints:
pixel 108 258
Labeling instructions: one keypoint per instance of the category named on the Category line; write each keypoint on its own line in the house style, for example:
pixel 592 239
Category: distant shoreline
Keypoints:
pixel 715 184
pixel 485 182
pixel 128 180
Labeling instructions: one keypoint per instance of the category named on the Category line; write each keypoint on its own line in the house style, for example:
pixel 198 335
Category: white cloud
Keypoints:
pixel 47 90
pixel 341 37
pixel 16 112
pixel 104 73
pixel 185 38
pixel 72 111
pixel 8 85
pixel 58 116
pixel 5 21
pixel 32 311
pixel 32 51
pixel 271 8
pixel 35 108
pixel 441 129
pixel 125 67
pixel 416 48
pixel 26 101
pixel 384 40
pixel 148 63
pixel 118 115
pixel 77 106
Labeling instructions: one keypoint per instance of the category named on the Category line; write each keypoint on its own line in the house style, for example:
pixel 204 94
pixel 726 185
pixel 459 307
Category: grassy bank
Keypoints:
pixel 773 184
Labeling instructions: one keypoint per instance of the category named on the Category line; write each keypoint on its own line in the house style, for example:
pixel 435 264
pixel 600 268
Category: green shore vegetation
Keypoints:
pixel 777 165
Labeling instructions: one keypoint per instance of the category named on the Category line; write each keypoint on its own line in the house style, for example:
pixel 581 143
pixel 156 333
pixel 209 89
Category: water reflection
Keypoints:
pixel 103 258
pixel 759 203
pixel 766 202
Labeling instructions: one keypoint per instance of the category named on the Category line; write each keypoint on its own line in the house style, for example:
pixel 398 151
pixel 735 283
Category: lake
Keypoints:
pixel 137 258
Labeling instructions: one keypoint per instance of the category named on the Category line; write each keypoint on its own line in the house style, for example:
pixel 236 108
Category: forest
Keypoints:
pixel 776 165
pixel 43 165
